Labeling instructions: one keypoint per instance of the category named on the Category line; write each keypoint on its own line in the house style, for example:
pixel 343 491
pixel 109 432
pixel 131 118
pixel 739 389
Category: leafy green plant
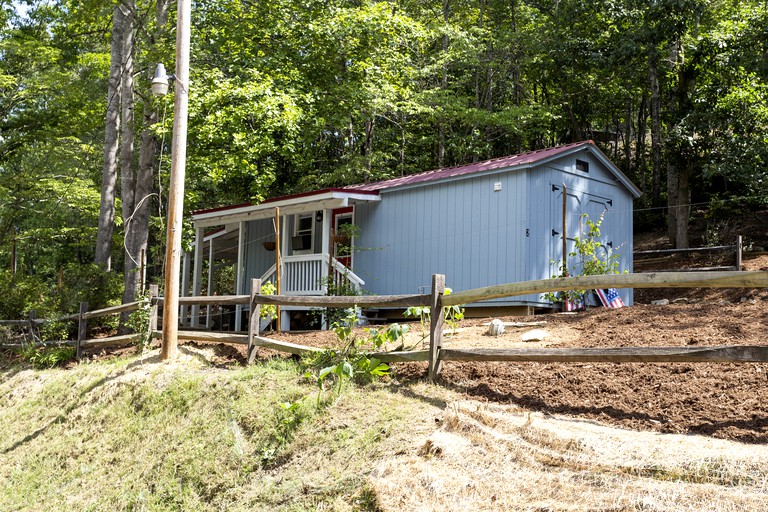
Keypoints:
pixel 138 321
pixel 422 313
pixel 594 259
pixel 287 418
pixel 453 315
pixel 353 361
pixel 268 310
pixel 379 337
pixel 55 330
pixel 46 357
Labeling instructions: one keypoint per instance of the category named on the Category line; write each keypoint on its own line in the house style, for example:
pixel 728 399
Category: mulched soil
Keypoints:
pixel 716 399
pixel 720 400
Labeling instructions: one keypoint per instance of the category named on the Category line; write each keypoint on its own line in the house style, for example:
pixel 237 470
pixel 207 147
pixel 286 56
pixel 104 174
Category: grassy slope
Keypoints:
pixel 136 434
pixel 140 435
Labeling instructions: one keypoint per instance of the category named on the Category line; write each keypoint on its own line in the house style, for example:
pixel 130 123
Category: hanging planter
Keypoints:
pixel 270 246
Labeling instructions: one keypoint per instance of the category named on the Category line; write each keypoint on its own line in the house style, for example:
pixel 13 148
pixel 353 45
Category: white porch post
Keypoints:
pixel 185 286
pixel 197 275
pixel 285 240
pixel 239 272
pixel 210 284
pixel 326 241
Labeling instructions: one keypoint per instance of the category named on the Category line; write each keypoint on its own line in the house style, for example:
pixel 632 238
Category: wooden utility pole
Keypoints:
pixel 176 189
pixel 277 266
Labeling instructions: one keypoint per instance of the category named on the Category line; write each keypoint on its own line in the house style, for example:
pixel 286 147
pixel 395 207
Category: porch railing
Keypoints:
pixel 307 274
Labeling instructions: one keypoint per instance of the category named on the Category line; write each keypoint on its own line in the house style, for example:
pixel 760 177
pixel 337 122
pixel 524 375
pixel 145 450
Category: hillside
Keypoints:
pixel 204 433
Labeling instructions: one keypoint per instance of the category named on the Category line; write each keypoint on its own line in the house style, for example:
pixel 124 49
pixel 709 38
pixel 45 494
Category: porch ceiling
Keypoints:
pixel 224 244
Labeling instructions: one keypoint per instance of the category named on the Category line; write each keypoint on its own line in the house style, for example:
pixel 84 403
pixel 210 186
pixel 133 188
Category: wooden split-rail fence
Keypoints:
pixel 654 258
pixel 436 355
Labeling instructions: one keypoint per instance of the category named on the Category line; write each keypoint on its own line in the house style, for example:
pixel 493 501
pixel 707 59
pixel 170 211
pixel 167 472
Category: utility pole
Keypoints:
pixel 176 190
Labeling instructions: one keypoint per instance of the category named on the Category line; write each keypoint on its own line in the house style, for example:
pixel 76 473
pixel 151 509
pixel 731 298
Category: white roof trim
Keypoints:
pixel 292 205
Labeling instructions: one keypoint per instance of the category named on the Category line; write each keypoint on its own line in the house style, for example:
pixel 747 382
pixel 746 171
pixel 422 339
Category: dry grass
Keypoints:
pixel 137 434
pixel 502 458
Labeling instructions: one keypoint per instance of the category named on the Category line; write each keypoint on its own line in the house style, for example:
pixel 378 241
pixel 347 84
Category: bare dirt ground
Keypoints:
pixel 719 400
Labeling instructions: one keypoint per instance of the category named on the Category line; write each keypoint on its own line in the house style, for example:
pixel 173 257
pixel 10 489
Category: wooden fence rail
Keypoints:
pixel 649 280
pixel 438 302
pixel 657 255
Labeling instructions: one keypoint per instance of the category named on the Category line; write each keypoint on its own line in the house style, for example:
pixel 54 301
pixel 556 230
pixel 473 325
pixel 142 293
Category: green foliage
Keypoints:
pixel 46 357
pixel 593 258
pixel 139 321
pixel 287 417
pixel 20 294
pixel 353 361
pixel 269 310
pixel 423 314
pixel 56 330
pixel 453 315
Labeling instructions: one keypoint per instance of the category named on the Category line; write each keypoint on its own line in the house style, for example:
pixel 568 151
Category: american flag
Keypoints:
pixel 610 298
pixel 574 304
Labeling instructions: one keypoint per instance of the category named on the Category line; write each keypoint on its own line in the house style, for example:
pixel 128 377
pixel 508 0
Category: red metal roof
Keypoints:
pixel 448 172
pixel 460 170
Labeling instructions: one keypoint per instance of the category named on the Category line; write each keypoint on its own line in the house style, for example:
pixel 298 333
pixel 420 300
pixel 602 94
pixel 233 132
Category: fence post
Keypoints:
pixel 437 319
pixel 253 324
pixel 153 292
pixel 739 248
pixel 82 329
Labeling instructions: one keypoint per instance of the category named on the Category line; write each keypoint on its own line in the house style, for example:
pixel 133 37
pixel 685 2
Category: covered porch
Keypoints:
pixel 300 235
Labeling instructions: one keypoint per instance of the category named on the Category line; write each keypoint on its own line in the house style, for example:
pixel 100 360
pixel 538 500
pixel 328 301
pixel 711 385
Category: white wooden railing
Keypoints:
pixel 307 274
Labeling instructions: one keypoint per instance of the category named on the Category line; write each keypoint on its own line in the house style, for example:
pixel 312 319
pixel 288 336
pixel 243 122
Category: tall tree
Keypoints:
pixel 111 140
pixel 136 219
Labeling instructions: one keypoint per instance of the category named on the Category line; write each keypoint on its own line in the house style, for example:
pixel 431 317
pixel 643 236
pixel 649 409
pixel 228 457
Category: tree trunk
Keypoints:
pixel 131 277
pixel 672 199
pixel 369 126
pixel 679 198
pixel 111 143
pixel 127 175
pixel 653 79
pixel 642 126
pixel 628 137
pixel 683 205
pixel 137 234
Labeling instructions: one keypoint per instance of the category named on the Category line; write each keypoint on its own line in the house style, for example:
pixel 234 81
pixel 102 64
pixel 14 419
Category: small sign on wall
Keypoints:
pixel 497 186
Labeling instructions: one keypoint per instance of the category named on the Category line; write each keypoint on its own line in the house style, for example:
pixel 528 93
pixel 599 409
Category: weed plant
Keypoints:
pixel 353 361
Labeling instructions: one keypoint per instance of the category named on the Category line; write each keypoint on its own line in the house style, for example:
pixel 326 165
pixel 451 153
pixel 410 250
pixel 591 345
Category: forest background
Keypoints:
pixel 288 96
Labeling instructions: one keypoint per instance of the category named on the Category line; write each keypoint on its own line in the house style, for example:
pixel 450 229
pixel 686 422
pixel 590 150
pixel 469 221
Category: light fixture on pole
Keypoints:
pixel 160 81
pixel 169 348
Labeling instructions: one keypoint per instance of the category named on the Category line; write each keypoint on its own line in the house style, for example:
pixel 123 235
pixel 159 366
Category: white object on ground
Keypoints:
pixel 496 328
pixel 534 335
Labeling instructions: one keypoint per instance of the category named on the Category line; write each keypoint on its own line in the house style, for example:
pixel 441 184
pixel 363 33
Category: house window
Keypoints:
pixel 302 235
pixel 582 166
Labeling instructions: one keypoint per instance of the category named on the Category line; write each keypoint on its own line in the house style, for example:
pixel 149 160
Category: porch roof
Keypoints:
pixel 291 204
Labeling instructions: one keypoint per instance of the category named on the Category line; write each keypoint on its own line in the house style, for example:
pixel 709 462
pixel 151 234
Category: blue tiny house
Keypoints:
pixel 481 224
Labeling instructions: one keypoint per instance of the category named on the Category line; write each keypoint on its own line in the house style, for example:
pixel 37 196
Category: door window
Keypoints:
pixel 302 236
